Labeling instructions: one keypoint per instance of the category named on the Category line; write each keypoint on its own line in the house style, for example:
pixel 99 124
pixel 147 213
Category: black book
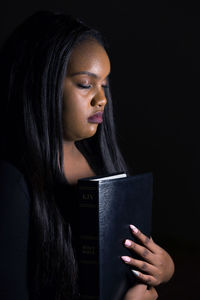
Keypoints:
pixel 107 206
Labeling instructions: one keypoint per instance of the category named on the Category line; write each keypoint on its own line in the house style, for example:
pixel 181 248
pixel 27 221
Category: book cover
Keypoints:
pixel 107 206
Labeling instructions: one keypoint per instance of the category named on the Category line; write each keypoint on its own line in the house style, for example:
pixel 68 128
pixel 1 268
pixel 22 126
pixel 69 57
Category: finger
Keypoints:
pixel 142 251
pixel 140 287
pixel 152 291
pixel 139 264
pixel 137 292
pixel 145 240
pixel 145 278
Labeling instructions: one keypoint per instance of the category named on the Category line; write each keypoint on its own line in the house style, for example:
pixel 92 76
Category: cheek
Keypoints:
pixel 76 111
pixel 72 104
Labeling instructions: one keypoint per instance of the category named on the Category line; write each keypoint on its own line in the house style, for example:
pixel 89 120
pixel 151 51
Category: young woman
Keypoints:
pixel 56 127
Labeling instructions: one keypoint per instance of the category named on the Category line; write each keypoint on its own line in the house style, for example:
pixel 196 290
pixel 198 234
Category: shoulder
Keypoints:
pixel 14 232
pixel 12 184
pixel 8 171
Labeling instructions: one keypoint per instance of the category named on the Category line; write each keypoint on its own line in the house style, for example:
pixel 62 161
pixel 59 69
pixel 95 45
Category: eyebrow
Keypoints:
pixel 87 73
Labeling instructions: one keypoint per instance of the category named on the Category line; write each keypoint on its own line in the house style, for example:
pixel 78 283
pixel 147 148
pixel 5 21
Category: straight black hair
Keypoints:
pixel 33 65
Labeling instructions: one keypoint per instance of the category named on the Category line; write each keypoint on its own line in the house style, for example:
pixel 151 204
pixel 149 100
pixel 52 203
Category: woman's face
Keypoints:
pixel 84 90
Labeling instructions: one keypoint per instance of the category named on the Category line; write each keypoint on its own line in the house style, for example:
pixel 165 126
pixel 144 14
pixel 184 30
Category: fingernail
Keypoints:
pixel 135 272
pixel 135 230
pixel 127 243
pixel 125 258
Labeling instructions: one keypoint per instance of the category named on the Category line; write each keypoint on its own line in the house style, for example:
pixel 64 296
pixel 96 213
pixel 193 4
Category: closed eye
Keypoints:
pixel 84 86
pixel 87 86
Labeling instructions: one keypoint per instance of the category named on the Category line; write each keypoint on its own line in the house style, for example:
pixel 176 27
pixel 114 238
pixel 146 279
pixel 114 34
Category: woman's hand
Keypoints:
pixel 157 265
pixel 140 292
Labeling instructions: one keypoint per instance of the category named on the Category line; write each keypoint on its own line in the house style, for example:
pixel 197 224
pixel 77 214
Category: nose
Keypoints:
pixel 99 99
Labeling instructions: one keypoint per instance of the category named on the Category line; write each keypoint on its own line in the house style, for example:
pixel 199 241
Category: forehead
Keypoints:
pixel 89 56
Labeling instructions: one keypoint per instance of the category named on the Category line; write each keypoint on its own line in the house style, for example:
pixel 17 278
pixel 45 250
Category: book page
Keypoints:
pixel 110 177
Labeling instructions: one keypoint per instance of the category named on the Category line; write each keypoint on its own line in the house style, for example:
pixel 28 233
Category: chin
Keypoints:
pixel 92 130
pixel 87 135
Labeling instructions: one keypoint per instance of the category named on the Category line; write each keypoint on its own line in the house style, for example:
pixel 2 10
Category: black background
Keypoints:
pixel 155 60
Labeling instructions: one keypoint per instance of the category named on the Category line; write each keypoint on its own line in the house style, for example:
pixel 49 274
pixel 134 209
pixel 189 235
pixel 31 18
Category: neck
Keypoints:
pixel 75 165
pixel 69 148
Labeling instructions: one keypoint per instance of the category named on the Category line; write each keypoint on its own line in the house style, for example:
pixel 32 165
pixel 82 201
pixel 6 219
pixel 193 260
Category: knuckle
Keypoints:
pixel 145 252
pixel 157 282
pixel 144 267
pixel 147 240
pixel 149 282
pixel 134 245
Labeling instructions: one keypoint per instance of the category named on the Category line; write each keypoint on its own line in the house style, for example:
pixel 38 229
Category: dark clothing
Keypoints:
pixel 14 233
pixel 16 244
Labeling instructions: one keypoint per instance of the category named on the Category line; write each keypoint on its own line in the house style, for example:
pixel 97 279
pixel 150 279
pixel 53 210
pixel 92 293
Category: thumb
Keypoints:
pixel 137 292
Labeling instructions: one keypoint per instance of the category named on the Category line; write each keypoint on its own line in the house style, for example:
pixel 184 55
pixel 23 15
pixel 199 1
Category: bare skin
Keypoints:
pixel 75 164
pixel 83 96
pixel 84 90
pixel 155 261
pixel 141 292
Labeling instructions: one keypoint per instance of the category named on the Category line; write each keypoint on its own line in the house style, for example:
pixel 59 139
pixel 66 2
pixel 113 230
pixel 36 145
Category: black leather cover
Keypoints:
pixel 106 210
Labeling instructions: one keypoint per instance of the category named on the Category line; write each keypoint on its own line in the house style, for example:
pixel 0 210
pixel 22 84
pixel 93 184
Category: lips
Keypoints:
pixel 96 118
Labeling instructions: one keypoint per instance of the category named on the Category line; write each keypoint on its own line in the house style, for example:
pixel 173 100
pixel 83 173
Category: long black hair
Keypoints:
pixel 33 65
